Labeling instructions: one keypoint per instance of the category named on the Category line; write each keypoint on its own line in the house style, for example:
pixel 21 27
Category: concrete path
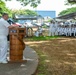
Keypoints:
pixel 23 68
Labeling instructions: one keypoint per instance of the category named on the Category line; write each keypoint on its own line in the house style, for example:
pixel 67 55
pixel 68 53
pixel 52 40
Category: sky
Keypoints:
pixel 56 5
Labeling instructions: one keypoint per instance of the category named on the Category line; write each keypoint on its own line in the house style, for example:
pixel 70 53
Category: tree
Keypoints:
pixel 2 7
pixel 70 2
pixel 24 12
pixel 67 11
pixel 30 12
pixel 33 3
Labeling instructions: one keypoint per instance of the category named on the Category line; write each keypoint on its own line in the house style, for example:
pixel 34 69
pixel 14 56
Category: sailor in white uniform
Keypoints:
pixel 52 29
pixel 73 30
pixel 4 26
pixel 56 27
pixel 70 29
pixel 40 30
pixel 65 31
pixel 36 33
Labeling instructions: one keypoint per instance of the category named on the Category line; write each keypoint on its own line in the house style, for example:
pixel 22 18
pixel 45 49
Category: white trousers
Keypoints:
pixel 37 34
pixel 3 47
pixel 52 32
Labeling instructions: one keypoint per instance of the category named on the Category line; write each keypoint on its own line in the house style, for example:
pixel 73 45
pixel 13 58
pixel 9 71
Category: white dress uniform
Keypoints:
pixel 70 30
pixel 75 32
pixel 56 27
pixel 37 34
pixel 52 30
pixel 65 31
pixel 3 39
pixel 61 29
pixel 40 30
pixel 58 30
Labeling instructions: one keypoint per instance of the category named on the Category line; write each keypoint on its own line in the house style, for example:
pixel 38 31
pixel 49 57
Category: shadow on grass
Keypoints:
pixel 56 56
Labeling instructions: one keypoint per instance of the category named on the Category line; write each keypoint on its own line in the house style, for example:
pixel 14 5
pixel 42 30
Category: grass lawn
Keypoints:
pixel 41 38
pixel 57 56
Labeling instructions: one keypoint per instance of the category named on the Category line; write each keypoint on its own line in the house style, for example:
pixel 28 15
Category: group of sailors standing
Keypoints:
pixel 57 29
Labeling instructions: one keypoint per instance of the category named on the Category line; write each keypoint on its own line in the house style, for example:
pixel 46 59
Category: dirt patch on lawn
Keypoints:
pixel 61 55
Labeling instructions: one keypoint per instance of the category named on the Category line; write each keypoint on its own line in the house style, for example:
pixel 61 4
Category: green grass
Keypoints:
pixel 42 68
pixel 41 38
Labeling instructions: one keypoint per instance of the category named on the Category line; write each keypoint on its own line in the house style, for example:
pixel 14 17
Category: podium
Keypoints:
pixel 17 45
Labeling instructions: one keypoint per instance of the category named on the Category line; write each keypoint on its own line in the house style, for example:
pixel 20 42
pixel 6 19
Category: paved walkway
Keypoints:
pixel 23 68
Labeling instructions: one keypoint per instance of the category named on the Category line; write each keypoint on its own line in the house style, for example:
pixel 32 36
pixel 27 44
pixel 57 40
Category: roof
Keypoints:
pixel 26 17
pixel 68 16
